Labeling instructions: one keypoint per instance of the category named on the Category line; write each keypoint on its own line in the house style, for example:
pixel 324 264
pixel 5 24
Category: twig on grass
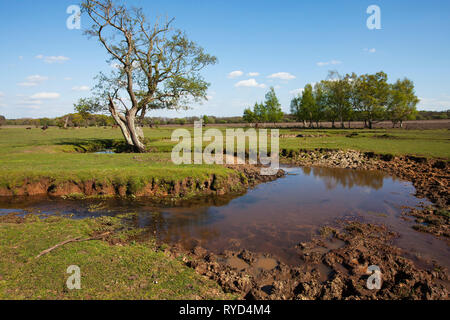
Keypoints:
pixel 71 240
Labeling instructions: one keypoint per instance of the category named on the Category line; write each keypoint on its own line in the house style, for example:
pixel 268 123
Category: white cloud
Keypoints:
pixel 235 74
pixel 52 59
pixel 34 107
pixel 80 88
pixel 442 103
pixel 67 78
pixel 33 81
pixel 2 94
pixel 282 76
pixel 250 83
pixel 296 91
pixel 36 78
pixel 27 84
pixel 372 50
pixel 30 102
pixel 45 95
pixel 253 74
pixel 332 62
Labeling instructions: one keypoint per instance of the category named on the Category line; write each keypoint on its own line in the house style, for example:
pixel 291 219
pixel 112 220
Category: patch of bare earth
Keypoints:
pixel 335 266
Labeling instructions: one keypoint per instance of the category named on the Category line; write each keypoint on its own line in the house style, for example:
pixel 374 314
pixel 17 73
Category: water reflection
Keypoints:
pixel 347 178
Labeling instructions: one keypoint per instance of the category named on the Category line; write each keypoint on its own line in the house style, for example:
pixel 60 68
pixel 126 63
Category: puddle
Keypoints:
pixel 105 152
pixel 273 217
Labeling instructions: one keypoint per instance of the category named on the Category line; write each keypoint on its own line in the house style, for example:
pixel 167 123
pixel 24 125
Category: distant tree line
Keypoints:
pixel 368 97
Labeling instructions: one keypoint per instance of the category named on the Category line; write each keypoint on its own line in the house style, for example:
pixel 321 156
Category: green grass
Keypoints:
pixel 130 270
pixel 64 154
pixel 54 154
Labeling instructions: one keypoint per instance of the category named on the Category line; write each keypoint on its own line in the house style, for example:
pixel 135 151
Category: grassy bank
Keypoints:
pixel 116 267
pixel 56 155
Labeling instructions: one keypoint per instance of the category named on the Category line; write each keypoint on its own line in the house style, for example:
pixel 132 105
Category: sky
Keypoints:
pixel 46 67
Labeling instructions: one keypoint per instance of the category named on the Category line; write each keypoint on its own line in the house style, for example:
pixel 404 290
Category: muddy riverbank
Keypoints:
pixel 335 266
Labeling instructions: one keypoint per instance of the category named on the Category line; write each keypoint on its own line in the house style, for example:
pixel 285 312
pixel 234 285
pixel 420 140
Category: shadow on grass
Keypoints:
pixel 96 145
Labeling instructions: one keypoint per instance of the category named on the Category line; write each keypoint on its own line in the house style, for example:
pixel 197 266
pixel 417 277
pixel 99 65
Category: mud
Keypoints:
pixel 335 266
pixel 430 177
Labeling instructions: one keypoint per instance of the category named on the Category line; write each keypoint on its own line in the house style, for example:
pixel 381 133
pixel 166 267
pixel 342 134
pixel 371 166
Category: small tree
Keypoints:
pixel 308 104
pixel 373 92
pixel 2 120
pixel 273 107
pixel 338 97
pixel 260 113
pixel 155 67
pixel 402 102
pixel 248 116
pixel 297 111
pixel 83 107
pixel 320 102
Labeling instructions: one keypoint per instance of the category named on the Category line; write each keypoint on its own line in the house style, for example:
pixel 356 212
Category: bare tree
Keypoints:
pixel 154 67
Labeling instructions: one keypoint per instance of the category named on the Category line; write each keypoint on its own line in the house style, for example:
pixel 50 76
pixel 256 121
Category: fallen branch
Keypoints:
pixel 71 240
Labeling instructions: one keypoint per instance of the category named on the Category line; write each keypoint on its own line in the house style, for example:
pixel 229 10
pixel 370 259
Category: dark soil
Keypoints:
pixel 335 267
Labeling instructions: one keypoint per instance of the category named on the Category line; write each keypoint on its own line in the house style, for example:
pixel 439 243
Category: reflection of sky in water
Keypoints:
pixel 366 190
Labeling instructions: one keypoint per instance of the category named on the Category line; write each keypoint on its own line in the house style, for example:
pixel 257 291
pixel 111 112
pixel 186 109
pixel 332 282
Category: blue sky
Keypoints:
pixel 46 67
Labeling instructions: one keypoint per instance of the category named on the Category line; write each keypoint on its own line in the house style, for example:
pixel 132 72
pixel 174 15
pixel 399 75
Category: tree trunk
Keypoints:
pixel 370 124
pixel 401 123
pixel 127 125
pixel 131 126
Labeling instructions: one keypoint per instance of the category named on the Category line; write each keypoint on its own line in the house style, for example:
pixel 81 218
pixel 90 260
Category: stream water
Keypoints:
pixel 272 217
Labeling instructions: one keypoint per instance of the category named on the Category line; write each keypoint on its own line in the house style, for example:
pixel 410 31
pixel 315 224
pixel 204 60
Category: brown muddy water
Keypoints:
pixel 272 217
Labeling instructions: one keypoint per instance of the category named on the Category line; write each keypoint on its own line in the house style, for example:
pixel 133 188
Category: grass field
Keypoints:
pixel 124 270
pixel 68 154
